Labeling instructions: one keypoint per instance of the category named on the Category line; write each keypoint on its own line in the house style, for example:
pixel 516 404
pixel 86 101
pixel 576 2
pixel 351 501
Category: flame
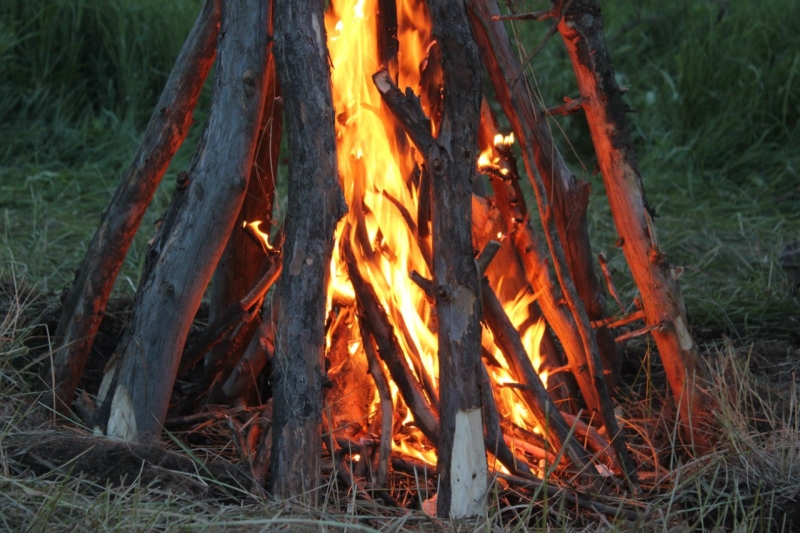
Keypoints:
pixel 254 226
pixel 376 171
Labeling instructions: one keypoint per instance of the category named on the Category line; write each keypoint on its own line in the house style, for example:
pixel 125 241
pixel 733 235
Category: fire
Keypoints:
pixel 377 171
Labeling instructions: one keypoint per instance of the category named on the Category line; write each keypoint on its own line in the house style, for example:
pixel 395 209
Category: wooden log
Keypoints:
pixel 567 195
pixel 315 205
pixel 377 326
pixel 171 294
pixel 463 472
pixel 547 212
pixel 493 434
pixel 229 319
pixel 85 303
pixel 459 489
pixel 259 351
pixel 582 32
pixel 242 261
pixel 512 205
pixel 541 405
pixel 387 411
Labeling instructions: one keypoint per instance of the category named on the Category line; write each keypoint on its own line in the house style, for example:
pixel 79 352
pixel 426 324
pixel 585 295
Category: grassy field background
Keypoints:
pixel 715 83
pixel 716 87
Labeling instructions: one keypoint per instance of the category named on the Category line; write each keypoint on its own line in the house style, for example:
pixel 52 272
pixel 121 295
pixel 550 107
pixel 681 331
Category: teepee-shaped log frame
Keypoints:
pixel 233 176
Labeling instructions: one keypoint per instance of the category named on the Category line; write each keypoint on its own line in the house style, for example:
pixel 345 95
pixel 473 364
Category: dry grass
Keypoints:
pixel 55 475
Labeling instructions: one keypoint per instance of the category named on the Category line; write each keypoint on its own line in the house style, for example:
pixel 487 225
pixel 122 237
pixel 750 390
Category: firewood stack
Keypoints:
pixel 414 313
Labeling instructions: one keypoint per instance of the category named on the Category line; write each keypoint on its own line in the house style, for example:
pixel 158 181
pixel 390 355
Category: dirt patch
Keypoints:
pixel 112 463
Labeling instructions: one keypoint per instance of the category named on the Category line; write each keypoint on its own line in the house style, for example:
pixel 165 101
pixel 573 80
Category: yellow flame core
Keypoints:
pixel 375 171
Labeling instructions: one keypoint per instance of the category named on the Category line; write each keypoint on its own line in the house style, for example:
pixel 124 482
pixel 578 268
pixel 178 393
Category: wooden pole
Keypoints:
pixel 582 31
pixel 244 256
pixel 86 301
pixel 568 196
pixel 463 471
pixel 168 298
pixel 451 161
pixel 315 205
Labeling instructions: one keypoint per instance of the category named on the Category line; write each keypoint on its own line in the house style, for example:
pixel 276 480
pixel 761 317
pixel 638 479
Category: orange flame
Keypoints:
pixel 376 175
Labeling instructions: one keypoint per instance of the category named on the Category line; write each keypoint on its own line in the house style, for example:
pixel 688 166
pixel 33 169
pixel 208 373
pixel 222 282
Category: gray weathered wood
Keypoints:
pixel 244 256
pixel 315 205
pixel 168 298
pixel 85 304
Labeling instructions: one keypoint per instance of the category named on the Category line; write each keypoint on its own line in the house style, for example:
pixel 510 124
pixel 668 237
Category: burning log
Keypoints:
pixel 463 472
pixel 567 195
pixel 462 459
pixel 544 410
pixel 561 266
pixel 387 413
pixel 346 307
pixel 380 329
pixel 85 303
pixel 315 206
pixel 582 32
pixel 511 203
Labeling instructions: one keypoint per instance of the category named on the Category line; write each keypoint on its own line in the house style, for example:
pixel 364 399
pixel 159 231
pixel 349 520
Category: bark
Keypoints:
pixel 463 472
pixel 512 206
pixel 169 297
pixel 244 256
pixel 85 304
pixel 582 31
pixel 568 196
pixel 315 205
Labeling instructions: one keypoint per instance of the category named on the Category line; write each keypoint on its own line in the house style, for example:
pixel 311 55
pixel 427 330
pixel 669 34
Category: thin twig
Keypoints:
pixel 547 36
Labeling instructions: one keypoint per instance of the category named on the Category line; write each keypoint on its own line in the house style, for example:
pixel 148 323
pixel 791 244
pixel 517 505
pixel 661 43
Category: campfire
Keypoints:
pixel 418 318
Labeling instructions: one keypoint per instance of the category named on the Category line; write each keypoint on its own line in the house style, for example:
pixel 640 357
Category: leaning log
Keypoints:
pixel 582 30
pixel 169 296
pixel 315 205
pixel 85 303
pixel 451 161
pixel 244 256
pixel 567 195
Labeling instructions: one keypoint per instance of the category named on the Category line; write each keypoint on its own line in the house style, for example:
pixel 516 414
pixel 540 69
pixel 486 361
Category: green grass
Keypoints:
pixel 80 80
pixel 715 86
